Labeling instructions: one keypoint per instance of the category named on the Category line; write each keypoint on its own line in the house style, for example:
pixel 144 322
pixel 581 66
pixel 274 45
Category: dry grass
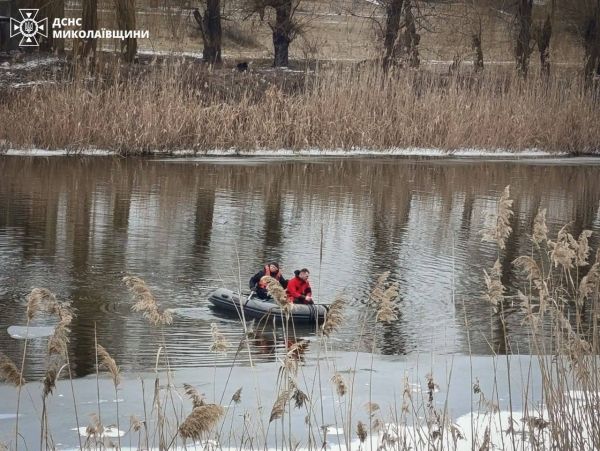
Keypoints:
pixel 338 108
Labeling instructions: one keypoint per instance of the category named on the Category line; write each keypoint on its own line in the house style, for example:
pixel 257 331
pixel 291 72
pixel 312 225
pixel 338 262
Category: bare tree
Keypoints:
pixel 523 47
pixel 400 38
pixel 543 34
pixel 125 12
pixel 210 28
pixel 393 10
pixel 583 17
pixel 89 22
pixel 285 27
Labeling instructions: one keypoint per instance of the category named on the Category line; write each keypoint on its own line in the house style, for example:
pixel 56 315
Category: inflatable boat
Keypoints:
pixel 265 309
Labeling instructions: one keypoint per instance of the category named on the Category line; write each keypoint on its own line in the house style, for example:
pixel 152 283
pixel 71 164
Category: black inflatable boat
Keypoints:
pixel 255 308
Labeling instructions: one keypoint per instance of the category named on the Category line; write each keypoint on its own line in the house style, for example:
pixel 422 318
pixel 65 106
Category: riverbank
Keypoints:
pixel 183 106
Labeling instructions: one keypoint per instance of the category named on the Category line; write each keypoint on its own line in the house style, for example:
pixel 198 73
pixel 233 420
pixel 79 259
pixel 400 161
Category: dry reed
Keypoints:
pixel 334 317
pixel 237 396
pixel 361 431
pixel 196 397
pixel 9 371
pixel 109 363
pixel 166 112
pixel 39 300
pixel 278 408
pixel 146 302
pixel 277 292
pixel 340 384
pixel 200 421
pixel 501 229
pixel 219 342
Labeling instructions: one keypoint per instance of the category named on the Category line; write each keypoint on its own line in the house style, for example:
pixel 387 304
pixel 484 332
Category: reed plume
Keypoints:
pixel 278 408
pixel 196 397
pixel 502 229
pixel 219 343
pixel 57 344
pixel 382 297
pixel 361 432
pixel 109 363
pixel 540 230
pixel 386 311
pixel 277 292
pixel 146 302
pixel 200 421
pixel 300 398
pixel 493 282
pixel 563 251
pixel 590 283
pixel 582 251
pixel 95 427
pixel 136 423
pixel 340 384
pixel 531 269
pixel 372 408
pixel 334 317
pixel 237 396
pixel 9 371
pixel 51 375
pixel 40 299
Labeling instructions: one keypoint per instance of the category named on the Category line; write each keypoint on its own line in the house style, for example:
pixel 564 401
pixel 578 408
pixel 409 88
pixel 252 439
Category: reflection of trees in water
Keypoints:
pixel 203 222
pixel 273 222
pixel 390 210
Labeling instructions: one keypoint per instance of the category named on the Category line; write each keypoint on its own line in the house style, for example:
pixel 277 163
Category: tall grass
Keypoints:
pixel 183 106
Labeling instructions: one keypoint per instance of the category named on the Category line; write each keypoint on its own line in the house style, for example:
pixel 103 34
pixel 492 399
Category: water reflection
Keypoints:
pixel 76 226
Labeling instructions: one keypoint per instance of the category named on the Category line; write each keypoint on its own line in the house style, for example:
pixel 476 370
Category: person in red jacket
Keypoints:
pixel 298 288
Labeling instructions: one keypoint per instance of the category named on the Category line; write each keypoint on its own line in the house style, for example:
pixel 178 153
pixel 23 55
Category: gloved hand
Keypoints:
pixel 309 299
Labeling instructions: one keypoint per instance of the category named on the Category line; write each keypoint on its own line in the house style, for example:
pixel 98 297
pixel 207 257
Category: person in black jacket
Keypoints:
pixel 260 288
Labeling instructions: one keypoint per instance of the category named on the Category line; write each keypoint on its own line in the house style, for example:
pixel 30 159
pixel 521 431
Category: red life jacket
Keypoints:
pixel 267 270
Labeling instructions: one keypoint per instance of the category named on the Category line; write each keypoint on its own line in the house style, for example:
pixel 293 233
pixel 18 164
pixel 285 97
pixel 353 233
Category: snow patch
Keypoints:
pixel 400 152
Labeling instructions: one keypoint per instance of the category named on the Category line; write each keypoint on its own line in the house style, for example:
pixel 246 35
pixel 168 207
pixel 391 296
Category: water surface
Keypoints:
pixel 78 225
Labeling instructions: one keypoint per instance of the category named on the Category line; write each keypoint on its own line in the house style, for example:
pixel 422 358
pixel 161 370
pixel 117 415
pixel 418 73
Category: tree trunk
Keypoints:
pixel 210 27
pixel 543 43
pixel 282 33
pixel 392 28
pixel 125 11
pixel 89 22
pixel 523 48
pixel 476 44
pixel 412 38
pixel 592 45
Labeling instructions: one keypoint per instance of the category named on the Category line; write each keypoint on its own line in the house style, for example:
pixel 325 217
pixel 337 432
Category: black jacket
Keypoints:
pixel 259 275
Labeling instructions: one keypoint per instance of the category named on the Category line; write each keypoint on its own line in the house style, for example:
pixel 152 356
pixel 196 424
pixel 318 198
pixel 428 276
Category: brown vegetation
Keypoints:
pixel 170 108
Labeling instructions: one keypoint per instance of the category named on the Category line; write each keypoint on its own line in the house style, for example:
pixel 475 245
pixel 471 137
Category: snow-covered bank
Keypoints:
pixel 400 152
